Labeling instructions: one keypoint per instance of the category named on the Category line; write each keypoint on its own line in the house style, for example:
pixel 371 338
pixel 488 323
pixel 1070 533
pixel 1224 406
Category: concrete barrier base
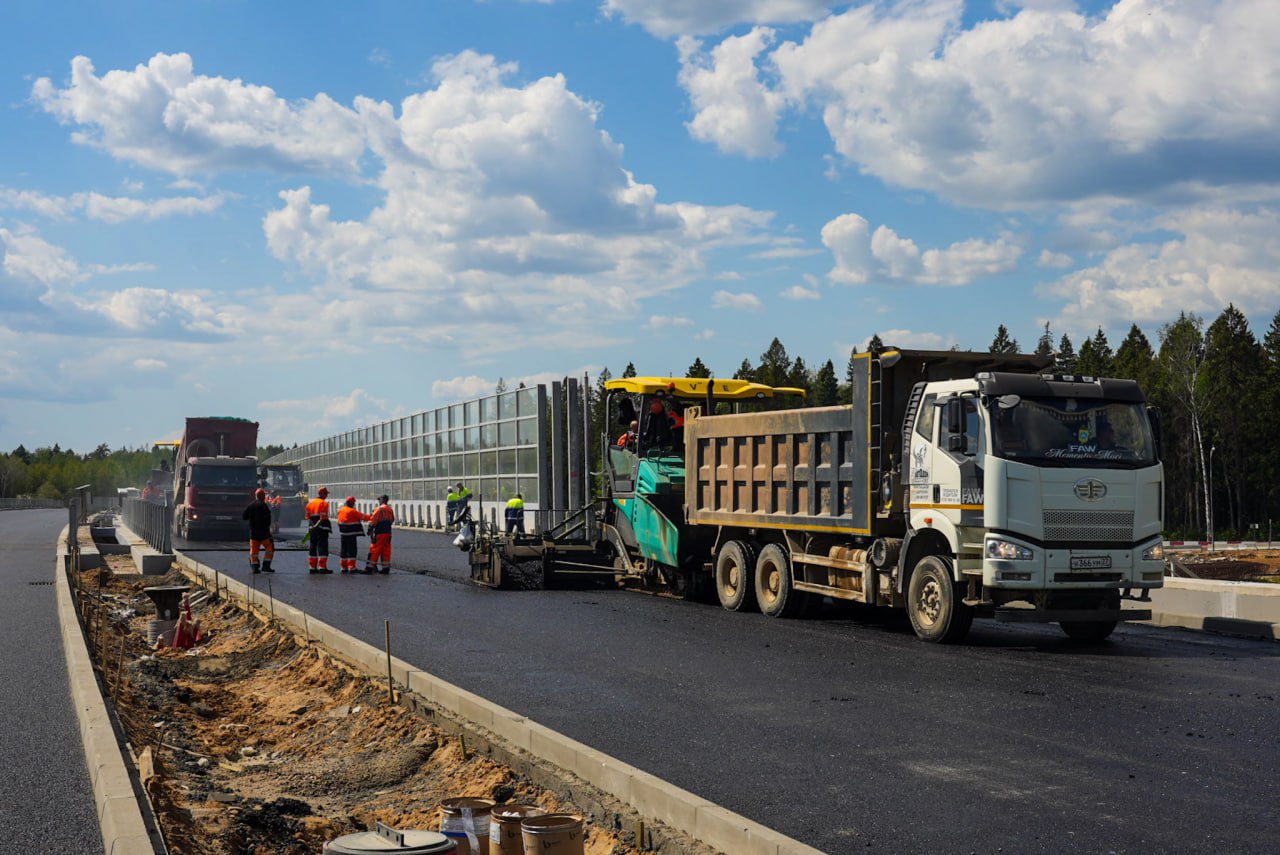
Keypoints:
pixel 1246 609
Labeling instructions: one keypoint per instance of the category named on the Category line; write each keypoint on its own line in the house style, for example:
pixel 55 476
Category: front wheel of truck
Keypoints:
pixel 1088 631
pixel 935 603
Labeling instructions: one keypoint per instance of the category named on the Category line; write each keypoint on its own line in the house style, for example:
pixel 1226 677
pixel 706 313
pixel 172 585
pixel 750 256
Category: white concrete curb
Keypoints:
pixel 651 797
pixel 1250 609
pixel 124 832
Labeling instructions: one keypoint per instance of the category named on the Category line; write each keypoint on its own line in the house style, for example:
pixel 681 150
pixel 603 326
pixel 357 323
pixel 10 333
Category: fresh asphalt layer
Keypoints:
pixel 845 731
pixel 46 800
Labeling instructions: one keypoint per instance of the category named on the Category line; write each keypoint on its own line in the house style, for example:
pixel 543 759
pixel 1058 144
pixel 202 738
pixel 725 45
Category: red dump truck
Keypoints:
pixel 214 475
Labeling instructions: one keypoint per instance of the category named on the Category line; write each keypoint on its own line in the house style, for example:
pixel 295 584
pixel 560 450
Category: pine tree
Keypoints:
pixel 1135 360
pixel 798 378
pixel 875 345
pixel 1065 361
pixel 826 391
pixel 1002 343
pixel 745 372
pixel 1044 347
pixel 698 369
pixel 1231 390
pixel 629 371
pixel 1095 356
pixel 775 365
pixel 846 388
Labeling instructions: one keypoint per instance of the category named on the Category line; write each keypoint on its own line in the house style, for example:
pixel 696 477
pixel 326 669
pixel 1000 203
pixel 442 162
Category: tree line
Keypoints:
pixel 1215 388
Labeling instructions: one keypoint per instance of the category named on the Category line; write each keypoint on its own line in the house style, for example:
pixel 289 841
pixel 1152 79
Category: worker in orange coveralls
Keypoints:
pixel 318 543
pixel 349 528
pixel 380 530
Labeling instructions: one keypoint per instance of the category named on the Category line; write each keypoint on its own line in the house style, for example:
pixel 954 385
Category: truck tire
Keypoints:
pixel 935 604
pixel 775 594
pixel 735 575
pixel 1088 631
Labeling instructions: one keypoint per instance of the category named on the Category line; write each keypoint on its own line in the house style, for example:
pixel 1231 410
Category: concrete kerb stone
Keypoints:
pixel 649 795
pixel 120 820
pixel 145 558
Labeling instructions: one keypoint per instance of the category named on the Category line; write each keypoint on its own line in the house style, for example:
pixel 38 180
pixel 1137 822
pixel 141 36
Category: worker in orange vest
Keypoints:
pixel 319 528
pixel 380 530
pixel 350 527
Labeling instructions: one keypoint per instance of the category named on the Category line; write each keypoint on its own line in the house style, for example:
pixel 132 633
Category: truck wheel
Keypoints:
pixel 735 573
pixel 1088 630
pixel 775 593
pixel 935 604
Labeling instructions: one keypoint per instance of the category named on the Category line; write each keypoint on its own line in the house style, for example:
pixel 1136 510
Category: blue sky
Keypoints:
pixel 320 215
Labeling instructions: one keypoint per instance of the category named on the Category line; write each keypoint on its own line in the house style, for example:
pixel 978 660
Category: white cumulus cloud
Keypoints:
pixel 736 300
pixel 885 256
pixel 732 108
pixel 666 18
pixel 799 292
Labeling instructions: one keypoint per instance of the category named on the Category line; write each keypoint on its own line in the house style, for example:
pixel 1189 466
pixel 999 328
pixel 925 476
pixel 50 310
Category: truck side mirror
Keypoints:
pixel 955 416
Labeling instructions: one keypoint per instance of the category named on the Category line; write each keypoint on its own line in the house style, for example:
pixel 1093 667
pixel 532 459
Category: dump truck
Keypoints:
pixel 286 480
pixel 215 474
pixel 955 485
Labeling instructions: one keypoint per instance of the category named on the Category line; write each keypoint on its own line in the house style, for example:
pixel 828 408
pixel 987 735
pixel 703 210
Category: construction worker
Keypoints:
pixel 380 531
pixel 318 528
pixel 450 508
pixel 657 425
pixel 274 502
pixel 515 515
pixel 350 527
pixel 628 440
pixel 258 513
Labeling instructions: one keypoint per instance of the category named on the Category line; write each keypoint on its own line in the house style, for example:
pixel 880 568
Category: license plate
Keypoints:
pixel 227 519
pixel 1091 562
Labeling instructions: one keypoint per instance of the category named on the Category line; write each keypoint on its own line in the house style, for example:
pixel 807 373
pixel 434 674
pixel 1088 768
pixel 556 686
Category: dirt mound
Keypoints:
pixel 258 742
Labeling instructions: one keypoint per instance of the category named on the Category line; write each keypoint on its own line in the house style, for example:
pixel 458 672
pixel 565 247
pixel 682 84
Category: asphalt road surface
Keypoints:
pixel 46 799
pixel 845 731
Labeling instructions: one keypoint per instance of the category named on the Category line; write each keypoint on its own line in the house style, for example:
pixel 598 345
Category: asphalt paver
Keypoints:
pixel 46 797
pixel 845 731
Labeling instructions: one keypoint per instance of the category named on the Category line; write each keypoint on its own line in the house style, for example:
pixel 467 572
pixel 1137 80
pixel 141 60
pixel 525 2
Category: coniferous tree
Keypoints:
pixel 875 344
pixel 1135 360
pixel 745 372
pixel 1002 343
pixel 775 365
pixel 1044 347
pixel 1065 360
pixel 1230 389
pixel 846 388
pixel 1095 356
pixel 629 371
pixel 698 369
pixel 798 378
pixel 826 390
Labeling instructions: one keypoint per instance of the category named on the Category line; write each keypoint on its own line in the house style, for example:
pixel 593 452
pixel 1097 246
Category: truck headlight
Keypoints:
pixel 1153 553
pixel 1007 551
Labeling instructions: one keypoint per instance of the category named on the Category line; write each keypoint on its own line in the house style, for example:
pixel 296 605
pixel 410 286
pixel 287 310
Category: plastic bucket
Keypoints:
pixel 504 828
pixel 553 834
pixel 385 839
pixel 465 818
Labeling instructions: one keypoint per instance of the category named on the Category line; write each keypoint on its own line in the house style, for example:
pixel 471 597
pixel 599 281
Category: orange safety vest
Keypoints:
pixel 382 518
pixel 318 513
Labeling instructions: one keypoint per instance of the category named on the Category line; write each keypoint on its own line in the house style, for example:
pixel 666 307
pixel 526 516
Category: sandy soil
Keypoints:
pixel 262 743
pixel 1259 565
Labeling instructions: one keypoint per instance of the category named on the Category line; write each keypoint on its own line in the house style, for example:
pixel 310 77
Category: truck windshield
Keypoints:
pixel 1074 432
pixel 223 476
pixel 284 480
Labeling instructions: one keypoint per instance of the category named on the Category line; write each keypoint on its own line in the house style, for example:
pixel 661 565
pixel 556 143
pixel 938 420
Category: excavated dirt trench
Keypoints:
pixel 258 742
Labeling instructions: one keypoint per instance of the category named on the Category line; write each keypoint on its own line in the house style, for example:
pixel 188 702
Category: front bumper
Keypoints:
pixel 1052 569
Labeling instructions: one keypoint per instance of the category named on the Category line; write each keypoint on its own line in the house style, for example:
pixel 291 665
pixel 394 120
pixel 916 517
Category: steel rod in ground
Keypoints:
pixel 391 691
pixel 271 599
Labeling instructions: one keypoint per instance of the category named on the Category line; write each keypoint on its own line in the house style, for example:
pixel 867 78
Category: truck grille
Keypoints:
pixel 1104 526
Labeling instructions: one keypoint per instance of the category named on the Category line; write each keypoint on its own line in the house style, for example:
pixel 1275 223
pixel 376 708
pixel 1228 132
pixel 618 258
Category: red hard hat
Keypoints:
pixel 351 500
pixel 260 493
pixel 322 492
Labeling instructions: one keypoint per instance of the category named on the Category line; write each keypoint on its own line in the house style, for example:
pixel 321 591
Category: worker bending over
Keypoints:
pixel 318 531
pixel 350 526
pixel 515 515
pixel 380 531
pixel 258 513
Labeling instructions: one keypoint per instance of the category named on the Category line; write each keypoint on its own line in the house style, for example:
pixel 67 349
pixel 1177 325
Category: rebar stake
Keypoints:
pixel 391 691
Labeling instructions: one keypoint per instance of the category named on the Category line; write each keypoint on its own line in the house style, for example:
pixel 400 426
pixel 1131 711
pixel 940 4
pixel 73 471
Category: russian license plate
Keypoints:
pixel 1091 562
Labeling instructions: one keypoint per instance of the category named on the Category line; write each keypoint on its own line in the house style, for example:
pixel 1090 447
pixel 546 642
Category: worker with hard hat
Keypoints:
pixel 258 513
pixel 380 531
pixel 350 526
pixel 317 512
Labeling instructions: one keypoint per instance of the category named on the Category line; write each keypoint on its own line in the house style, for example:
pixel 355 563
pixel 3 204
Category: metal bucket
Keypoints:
pixel 504 828
pixel 464 816
pixel 157 628
pixel 553 834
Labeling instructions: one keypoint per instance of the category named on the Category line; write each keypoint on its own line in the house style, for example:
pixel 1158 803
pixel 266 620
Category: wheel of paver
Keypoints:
pixel 1088 631
pixel 774 592
pixel 735 572
pixel 935 604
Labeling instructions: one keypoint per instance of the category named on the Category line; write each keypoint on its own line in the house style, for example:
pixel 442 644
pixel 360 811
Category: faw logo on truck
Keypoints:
pixel 1090 489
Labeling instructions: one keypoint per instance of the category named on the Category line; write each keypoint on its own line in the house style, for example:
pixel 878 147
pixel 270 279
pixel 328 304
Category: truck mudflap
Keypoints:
pixel 1070 615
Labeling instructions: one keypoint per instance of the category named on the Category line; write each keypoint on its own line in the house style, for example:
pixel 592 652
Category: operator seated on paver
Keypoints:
pixel 318 532
pixel 628 440
pixel 657 426
pixel 350 527
pixel 380 531
pixel 515 515
pixel 258 513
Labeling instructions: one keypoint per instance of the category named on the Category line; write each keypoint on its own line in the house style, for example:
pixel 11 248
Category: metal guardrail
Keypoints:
pixel 150 521
pixel 29 504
